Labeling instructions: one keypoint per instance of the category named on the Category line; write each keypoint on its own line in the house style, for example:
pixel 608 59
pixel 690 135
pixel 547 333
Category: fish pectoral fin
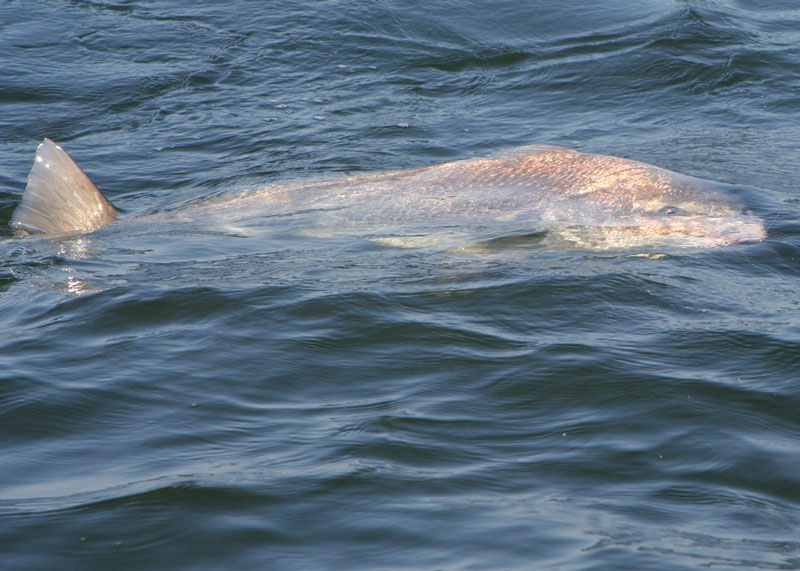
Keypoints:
pixel 59 197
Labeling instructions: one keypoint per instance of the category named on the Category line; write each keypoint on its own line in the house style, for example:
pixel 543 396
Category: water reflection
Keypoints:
pixel 76 249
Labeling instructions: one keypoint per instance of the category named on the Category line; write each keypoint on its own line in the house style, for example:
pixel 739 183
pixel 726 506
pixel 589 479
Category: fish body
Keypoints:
pixel 590 200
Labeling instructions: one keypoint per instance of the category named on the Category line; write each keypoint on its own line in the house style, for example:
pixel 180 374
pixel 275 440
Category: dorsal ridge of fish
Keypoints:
pixel 537 149
pixel 60 198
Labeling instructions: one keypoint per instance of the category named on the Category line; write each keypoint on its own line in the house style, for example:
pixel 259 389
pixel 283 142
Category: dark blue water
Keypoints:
pixel 175 395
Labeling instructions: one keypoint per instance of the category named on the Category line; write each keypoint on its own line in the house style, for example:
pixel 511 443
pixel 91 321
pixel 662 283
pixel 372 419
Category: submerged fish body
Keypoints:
pixel 583 199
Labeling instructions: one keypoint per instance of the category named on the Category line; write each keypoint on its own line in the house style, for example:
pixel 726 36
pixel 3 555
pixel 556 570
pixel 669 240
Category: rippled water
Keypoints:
pixel 176 394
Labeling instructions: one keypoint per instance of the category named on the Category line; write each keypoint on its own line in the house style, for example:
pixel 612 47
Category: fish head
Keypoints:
pixel 696 221
pixel 701 217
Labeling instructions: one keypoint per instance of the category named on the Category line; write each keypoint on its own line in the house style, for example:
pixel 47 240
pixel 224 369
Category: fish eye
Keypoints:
pixel 672 211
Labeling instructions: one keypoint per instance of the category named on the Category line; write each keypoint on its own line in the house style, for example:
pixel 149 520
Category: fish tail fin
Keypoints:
pixel 60 198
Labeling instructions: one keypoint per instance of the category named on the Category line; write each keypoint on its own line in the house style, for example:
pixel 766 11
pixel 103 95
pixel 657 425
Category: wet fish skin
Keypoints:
pixel 591 200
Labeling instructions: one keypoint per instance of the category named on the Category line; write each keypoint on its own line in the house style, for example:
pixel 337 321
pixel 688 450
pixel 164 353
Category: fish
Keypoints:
pixel 585 200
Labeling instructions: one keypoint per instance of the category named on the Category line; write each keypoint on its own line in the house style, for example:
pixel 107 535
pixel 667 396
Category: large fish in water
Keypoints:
pixel 582 199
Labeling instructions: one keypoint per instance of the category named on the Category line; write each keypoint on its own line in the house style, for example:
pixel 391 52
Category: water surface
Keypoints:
pixel 179 395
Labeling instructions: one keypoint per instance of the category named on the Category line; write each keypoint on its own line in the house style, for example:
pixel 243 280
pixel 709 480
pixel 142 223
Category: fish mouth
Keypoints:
pixel 709 231
pixel 685 232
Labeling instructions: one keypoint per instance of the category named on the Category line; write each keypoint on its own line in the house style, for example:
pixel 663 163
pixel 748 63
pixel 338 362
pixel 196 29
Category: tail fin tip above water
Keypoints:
pixel 60 198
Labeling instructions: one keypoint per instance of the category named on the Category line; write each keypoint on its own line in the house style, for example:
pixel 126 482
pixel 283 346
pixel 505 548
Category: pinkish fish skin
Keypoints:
pixel 590 200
